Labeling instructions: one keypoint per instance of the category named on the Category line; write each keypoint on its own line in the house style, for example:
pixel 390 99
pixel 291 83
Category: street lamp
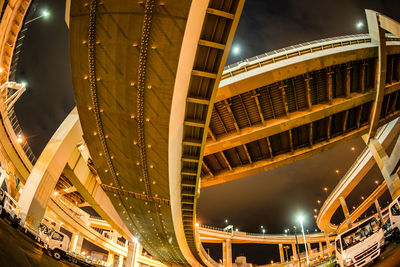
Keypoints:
pixel 301 219
pixel 43 14
pixel 263 231
pixel 236 51
pixel 359 25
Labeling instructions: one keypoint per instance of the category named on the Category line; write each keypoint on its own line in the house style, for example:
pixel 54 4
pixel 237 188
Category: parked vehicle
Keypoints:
pixel 361 244
pixel 57 244
pixel 9 208
pixel 394 215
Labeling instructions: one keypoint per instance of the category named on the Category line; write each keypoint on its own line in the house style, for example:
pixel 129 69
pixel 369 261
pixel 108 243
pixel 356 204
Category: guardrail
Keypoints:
pixel 18 132
pixel 297 50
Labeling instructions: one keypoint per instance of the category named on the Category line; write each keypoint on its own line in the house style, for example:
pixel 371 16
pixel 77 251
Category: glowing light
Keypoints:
pixel 300 219
pixel 362 198
pixel 1 70
pixel 337 171
pixel 315 210
pixel 55 193
pixel 325 189
pixel 319 201
pixel 20 139
pixel 226 221
pixel 236 50
pixel 24 83
pixel 376 181
pixel 359 25
pixel 353 148
pixel 45 13
pixel 197 224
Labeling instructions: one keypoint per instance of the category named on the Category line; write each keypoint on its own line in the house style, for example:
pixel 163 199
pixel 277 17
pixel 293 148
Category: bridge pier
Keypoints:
pixel 134 250
pixel 47 170
pixel 294 250
pixel 309 249
pixel 76 243
pixel 121 261
pixel 328 243
pixel 227 252
pixel 346 212
pixel 281 254
pixel 110 258
pixel 383 161
pixel 321 249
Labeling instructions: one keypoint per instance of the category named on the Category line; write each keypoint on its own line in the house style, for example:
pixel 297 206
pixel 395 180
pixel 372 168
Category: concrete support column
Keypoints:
pixel 121 261
pixel 330 86
pixel 395 156
pixel 308 92
pixel 281 255
pixel 321 249
pixel 44 176
pixel 110 259
pixel 309 249
pixel 328 243
pixel 295 256
pixel 346 212
pixel 76 243
pixel 378 209
pixel 348 81
pixel 382 160
pixel 133 254
pixel 227 252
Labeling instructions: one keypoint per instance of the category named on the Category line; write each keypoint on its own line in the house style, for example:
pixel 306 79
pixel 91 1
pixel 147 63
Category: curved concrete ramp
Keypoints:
pixel 132 62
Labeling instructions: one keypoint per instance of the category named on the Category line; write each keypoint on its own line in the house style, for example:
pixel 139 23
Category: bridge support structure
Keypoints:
pixel 227 252
pixel 346 212
pixel 383 161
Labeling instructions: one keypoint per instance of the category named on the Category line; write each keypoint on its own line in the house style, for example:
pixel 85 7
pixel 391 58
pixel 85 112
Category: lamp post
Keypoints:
pixel 44 14
pixel 301 219
pixel 236 51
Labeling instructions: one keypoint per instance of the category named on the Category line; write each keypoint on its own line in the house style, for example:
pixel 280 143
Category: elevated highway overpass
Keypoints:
pixel 144 95
pixel 352 178
pixel 142 91
pixel 292 103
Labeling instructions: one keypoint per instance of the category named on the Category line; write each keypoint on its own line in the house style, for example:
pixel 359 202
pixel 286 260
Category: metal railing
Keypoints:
pixel 253 234
pixel 18 132
pixel 297 50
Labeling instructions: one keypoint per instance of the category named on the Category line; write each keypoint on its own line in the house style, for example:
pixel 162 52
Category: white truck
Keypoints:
pixel 57 244
pixel 9 208
pixel 394 215
pixel 360 245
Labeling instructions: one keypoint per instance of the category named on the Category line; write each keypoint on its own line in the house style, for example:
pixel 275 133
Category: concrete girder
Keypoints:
pixel 279 160
pixel 79 174
pixel 296 119
pixel 219 236
pixel 292 67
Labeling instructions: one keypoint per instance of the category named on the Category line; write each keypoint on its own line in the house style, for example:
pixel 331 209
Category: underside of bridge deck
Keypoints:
pixel 125 57
pixel 301 109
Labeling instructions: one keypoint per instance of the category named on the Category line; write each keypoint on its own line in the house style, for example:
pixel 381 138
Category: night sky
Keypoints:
pixel 272 199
